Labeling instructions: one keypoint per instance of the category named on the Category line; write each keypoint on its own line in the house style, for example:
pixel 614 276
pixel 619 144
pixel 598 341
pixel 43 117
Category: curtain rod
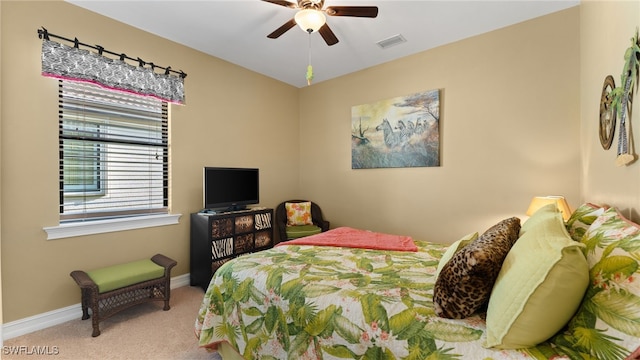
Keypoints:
pixel 44 34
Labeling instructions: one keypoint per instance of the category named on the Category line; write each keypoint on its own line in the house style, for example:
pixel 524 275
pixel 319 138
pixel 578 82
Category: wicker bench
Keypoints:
pixel 107 291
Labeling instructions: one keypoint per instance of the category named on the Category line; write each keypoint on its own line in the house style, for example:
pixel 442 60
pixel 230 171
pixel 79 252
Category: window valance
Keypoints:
pixel 72 63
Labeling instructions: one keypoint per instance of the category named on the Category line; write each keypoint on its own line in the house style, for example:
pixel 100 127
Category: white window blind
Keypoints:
pixel 113 153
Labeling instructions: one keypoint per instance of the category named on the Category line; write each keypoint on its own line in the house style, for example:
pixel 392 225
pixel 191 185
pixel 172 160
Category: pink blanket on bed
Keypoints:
pixel 354 238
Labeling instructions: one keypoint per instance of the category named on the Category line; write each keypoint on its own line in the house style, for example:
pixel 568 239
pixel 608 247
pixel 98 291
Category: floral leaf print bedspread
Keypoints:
pixel 317 302
pixel 314 302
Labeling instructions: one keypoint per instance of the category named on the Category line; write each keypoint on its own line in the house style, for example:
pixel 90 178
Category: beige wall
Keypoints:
pixel 232 117
pixel 509 131
pixel 606 29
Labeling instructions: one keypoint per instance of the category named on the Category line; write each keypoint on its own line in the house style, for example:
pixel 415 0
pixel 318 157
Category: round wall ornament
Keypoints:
pixel 607 113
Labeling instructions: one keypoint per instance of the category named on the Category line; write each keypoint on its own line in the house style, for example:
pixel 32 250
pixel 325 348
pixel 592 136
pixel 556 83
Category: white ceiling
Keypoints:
pixel 236 30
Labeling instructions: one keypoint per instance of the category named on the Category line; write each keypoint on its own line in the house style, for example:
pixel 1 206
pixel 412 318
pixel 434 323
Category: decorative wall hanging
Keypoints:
pixel 607 113
pixel 72 63
pixel 397 132
pixel 622 99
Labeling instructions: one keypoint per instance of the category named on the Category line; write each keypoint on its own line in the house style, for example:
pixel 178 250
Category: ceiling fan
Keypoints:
pixel 310 17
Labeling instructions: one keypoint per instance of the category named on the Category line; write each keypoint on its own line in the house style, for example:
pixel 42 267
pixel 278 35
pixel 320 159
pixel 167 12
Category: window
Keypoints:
pixel 113 153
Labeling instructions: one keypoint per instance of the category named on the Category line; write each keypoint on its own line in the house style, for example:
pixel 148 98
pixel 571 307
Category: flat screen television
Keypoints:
pixel 228 189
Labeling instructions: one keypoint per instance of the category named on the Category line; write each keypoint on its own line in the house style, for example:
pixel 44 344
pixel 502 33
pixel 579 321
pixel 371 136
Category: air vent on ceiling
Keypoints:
pixel 394 40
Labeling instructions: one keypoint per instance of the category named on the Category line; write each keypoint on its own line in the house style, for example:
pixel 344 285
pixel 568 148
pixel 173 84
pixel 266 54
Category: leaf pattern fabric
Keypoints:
pixel 314 302
pixel 607 324
pixel 582 218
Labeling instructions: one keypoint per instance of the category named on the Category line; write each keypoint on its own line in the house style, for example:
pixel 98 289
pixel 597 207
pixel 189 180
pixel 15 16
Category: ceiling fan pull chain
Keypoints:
pixel 309 67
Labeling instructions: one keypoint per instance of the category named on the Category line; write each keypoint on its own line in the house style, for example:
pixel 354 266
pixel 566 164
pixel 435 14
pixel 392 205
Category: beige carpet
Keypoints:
pixel 141 332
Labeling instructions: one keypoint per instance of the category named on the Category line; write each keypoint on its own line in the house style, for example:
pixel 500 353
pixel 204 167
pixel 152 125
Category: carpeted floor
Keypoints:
pixel 141 332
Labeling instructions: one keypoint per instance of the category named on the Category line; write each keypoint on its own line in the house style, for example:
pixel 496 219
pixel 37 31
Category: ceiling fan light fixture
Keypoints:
pixel 310 20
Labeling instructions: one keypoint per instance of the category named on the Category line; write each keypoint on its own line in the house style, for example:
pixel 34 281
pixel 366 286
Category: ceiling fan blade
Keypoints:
pixel 283 3
pixel 357 11
pixel 282 29
pixel 328 35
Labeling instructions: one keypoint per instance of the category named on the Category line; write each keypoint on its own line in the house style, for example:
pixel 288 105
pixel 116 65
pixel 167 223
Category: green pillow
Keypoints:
pixel 540 286
pixel 541 215
pixel 467 239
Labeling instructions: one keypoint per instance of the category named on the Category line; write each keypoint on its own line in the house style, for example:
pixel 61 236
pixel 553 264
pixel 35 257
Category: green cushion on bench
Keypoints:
pixel 294 232
pixel 118 276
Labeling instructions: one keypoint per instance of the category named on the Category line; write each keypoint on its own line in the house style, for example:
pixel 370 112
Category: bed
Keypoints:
pixel 349 300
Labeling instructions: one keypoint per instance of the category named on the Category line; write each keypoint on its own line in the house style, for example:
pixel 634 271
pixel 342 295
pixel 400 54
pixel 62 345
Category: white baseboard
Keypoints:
pixel 180 281
pixel 33 323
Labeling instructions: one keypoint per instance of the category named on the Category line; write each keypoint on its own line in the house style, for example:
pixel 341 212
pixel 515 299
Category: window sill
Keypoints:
pixel 104 226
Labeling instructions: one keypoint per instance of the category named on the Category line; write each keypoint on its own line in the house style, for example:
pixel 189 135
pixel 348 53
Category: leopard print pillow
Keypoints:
pixel 465 282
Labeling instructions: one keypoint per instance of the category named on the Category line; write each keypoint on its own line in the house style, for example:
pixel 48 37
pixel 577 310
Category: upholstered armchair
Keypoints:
pixel 304 218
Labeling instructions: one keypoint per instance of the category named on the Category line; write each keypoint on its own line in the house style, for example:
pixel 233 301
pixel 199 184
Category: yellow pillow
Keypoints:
pixel 467 239
pixel 299 213
pixel 540 285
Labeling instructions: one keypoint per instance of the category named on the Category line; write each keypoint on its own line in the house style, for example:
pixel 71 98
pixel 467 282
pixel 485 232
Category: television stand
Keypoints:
pixel 219 237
